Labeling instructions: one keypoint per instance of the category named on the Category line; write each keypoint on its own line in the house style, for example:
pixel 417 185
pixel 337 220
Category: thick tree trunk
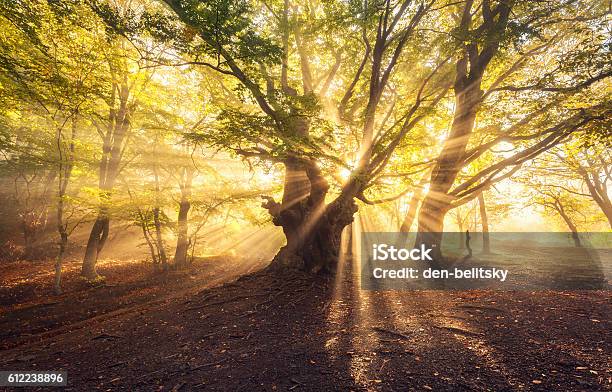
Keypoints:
pixel 97 238
pixel 312 228
pixel 470 69
pixel 431 226
pixel 182 242
pixel 437 201
pixel 484 220
pixel 313 243
pixel 414 204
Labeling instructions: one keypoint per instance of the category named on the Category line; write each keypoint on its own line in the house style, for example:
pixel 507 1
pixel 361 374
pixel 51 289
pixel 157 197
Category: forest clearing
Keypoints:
pixel 306 195
pixel 250 335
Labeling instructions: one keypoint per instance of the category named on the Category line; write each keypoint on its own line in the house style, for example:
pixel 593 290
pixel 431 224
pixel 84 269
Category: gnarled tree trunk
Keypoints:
pixel 312 228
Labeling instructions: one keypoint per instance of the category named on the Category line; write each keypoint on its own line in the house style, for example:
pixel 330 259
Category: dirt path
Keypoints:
pixel 268 332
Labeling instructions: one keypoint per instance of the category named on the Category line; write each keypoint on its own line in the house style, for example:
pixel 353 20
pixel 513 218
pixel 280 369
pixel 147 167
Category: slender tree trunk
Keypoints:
pixel 143 222
pixel 598 191
pixel 26 213
pixel 57 287
pixel 604 203
pixel 112 151
pixel 569 223
pixel 95 242
pixel 63 233
pixel 43 216
pixel 461 232
pixel 608 213
pixel 159 241
pixel 147 236
pixel 349 231
pixel 65 172
pixel 28 238
pixel 157 223
pixel 182 242
pixel 484 220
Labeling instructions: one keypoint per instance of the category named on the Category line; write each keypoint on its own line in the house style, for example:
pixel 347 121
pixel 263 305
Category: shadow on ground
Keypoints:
pixel 297 332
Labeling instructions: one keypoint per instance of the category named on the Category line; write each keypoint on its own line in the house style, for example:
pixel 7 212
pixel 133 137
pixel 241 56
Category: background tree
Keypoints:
pixel 54 76
pixel 594 166
pixel 571 178
pixel 501 46
pixel 564 206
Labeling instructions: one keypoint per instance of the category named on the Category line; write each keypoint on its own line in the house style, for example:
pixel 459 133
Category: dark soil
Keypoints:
pixel 29 309
pixel 293 331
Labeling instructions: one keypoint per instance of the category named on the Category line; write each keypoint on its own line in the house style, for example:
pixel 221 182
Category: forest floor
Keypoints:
pixel 181 331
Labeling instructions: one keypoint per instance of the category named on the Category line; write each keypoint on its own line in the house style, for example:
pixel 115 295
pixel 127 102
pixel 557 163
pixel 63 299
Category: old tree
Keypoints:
pixel 331 87
pixel 430 105
pixel 312 79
